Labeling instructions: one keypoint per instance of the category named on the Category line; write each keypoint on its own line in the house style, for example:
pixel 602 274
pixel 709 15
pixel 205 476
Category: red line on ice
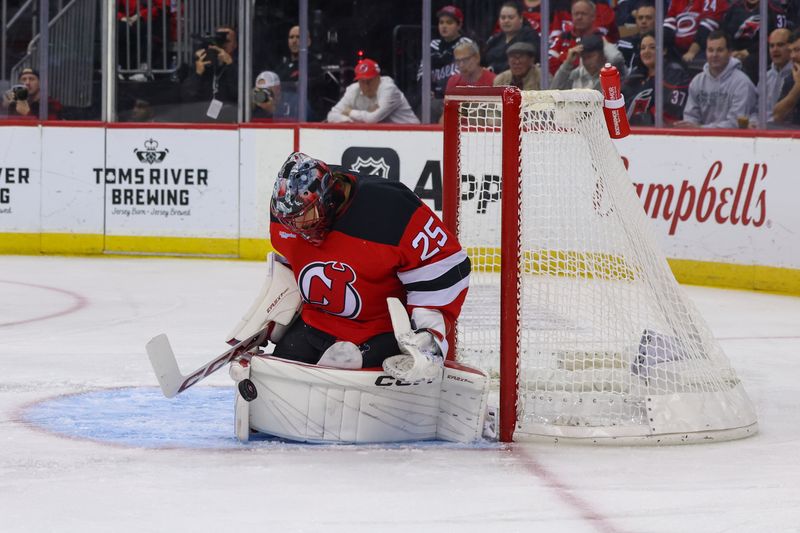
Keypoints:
pixel 564 492
pixel 79 302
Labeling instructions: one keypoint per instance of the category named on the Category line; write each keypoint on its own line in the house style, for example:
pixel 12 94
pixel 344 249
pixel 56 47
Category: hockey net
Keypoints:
pixel 572 307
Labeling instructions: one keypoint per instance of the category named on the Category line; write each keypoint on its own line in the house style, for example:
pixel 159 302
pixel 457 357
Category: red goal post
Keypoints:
pixel 510 101
pixel 572 307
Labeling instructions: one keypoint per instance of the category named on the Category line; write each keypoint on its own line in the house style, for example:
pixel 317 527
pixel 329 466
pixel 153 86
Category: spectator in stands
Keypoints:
pixel 289 67
pixel 23 100
pixel 787 110
pixel 269 102
pixel 443 64
pixel 639 89
pixel 142 111
pixel 471 73
pixel 215 78
pixel 513 29
pixel 132 17
pixel 586 75
pixel 523 72
pixel 722 96
pixel 688 23
pixel 532 11
pixel 583 13
pixel 645 17
pixel 288 70
pixel 741 22
pixel 604 21
pixel 780 70
pixel 625 16
pixel 372 98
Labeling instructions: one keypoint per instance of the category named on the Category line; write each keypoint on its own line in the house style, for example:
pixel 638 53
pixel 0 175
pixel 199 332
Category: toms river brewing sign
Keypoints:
pixel 170 182
pixel 150 188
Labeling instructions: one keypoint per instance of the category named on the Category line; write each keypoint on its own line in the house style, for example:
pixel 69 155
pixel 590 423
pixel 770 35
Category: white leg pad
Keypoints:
pixel 314 404
pixel 462 404
pixel 239 370
pixel 309 403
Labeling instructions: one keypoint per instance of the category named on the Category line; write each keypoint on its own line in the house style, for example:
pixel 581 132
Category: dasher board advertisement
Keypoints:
pixel 171 182
pixel 20 179
pixel 412 157
pixel 720 199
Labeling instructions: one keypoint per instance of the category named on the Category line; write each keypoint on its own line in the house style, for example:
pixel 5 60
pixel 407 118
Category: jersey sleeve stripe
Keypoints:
pixel 710 24
pixel 448 279
pixel 440 298
pixel 432 270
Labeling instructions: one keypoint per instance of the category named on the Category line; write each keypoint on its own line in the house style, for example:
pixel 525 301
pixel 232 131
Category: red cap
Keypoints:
pixel 366 69
pixel 453 12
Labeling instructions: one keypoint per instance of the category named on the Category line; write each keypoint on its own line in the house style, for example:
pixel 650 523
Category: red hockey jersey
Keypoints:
pixel 386 243
pixel 687 17
pixel 562 37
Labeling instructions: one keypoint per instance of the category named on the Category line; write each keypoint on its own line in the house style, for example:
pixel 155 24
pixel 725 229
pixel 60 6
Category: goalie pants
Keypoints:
pixel 306 344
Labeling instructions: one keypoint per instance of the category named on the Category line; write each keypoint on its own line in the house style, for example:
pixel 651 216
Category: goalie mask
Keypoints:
pixel 306 197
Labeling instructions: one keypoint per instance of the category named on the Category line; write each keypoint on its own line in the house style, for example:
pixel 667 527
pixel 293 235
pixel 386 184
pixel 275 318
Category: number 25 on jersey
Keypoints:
pixel 428 239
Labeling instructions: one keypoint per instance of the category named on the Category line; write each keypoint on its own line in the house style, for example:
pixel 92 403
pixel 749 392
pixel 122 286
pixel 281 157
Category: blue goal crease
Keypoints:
pixel 199 418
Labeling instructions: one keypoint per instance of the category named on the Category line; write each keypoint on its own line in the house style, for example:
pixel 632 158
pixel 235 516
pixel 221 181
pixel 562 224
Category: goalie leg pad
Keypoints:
pixel 462 405
pixel 308 403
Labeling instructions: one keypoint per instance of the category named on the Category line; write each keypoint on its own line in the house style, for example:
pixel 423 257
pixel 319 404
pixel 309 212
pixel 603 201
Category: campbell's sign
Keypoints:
pixel 726 196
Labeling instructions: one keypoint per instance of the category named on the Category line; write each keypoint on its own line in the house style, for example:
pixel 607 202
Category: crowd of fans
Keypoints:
pixel 710 65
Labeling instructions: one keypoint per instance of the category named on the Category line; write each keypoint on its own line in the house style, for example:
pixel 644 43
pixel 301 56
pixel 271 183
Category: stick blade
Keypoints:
pixel 399 316
pixel 162 358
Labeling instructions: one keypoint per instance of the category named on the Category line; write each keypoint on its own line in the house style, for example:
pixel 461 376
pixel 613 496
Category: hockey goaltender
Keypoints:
pixel 355 255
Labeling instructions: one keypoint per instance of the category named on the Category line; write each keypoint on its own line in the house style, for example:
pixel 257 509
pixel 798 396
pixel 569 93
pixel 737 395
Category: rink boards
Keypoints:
pixel 723 207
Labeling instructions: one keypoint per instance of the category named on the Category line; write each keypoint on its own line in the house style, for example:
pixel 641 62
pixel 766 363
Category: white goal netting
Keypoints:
pixel 609 346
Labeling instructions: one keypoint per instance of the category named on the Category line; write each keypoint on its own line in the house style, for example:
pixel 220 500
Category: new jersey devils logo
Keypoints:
pixel 330 286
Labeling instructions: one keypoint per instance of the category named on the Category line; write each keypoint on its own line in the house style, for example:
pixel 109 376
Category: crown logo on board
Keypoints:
pixel 151 154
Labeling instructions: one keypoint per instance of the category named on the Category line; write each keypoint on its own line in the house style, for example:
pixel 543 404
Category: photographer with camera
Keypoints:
pixel 213 83
pixel 270 103
pixel 22 101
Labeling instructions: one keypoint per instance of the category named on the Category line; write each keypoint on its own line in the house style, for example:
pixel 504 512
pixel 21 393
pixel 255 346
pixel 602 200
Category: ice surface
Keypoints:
pixel 88 444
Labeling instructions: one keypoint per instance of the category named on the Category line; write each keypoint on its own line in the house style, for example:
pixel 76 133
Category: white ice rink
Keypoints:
pixel 81 423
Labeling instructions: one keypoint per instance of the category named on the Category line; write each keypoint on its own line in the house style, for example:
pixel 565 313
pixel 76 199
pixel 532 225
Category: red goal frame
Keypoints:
pixel 510 99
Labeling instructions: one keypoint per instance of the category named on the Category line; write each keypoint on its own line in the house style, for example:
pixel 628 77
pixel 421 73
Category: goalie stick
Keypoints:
pixel 165 366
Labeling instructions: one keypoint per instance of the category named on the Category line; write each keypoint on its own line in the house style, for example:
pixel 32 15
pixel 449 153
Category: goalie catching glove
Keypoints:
pixel 422 359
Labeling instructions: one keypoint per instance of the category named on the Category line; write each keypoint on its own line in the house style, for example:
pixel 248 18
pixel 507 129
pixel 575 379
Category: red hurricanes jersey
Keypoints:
pixel 685 17
pixel 386 243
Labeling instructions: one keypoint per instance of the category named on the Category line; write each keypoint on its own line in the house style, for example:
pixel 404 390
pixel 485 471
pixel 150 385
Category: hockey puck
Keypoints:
pixel 248 390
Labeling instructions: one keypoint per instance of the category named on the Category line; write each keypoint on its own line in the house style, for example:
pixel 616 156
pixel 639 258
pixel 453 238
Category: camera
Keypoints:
pixel 204 40
pixel 20 92
pixel 261 96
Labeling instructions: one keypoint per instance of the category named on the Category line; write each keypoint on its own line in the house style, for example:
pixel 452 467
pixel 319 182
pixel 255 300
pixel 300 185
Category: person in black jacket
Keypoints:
pixel 214 82
pixel 288 70
pixel 639 89
pixel 514 28
pixel 443 62
pixel 645 17
pixel 742 22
